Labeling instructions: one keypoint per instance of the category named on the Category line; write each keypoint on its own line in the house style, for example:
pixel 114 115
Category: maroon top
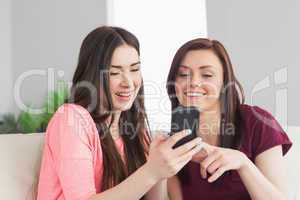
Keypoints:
pixel 260 132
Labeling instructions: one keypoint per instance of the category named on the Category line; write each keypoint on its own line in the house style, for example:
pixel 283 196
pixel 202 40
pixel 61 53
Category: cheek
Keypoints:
pixel 181 83
pixel 113 84
pixel 137 81
pixel 213 86
pixel 179 87
pixel 219 85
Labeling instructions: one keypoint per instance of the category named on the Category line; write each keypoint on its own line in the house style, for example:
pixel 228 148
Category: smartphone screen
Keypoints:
pixel 185 118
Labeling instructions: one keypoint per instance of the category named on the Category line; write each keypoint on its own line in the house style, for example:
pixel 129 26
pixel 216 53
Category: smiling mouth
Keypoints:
pixel 195 94
pixel 124 94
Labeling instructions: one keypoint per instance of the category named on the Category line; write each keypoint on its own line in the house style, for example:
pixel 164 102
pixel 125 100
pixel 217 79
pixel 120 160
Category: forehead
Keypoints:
pixel 198 58
pixel 124 55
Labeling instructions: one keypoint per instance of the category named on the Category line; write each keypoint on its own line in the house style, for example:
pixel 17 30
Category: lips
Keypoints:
pixel 195 94
pixel 124 94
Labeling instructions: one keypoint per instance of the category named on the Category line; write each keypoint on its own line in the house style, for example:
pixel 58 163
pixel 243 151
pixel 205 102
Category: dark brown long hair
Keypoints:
pixel 231 97
pixel 91 90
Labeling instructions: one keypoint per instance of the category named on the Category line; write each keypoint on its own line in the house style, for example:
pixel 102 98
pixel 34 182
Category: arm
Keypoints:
pixel 265 179
pixel 163 162
pixel 140 182
pixel 174 188
pixel 157 192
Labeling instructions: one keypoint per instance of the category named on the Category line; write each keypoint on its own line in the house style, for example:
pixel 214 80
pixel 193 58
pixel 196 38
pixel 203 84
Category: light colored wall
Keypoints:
pixel 5 56
pixel 262 38
pixel 48 34
pixel 161 27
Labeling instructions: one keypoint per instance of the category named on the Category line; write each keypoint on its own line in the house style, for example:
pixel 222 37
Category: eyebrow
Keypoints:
pixel 131 65
pixel 201 67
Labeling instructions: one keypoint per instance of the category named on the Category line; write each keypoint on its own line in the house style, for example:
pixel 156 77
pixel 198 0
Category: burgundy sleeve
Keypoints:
pixel 268 133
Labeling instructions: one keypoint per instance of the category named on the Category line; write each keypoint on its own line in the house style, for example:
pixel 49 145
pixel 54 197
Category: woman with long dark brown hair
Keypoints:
pixel 243 145
pixel 97 145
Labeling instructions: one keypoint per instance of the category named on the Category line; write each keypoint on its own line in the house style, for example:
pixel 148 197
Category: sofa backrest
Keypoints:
pixel 21 157
pixel 20 163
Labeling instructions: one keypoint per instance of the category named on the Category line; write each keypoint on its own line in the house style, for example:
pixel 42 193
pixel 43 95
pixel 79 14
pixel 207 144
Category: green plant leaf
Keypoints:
pixel 28 122
pixel 9 124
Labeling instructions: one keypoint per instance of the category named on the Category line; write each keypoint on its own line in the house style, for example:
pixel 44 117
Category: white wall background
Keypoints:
pixel 161 27
pixel 37 35
pixel 5 56
pixel 46 35
pixel 263 40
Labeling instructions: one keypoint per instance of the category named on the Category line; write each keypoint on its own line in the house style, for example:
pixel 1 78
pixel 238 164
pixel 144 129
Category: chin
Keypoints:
pixel 201 106
pixel 195 104
pixel 123 107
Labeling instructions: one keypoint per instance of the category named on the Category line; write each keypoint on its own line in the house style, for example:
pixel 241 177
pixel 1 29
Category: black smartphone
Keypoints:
pixel 185 118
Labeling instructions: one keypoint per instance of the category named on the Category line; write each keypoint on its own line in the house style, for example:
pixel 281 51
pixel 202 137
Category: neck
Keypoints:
pixel 116 119
pixel 209 126
pixel 114 127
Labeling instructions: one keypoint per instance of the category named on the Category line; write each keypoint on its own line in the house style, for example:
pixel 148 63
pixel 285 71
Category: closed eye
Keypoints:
pixel 114 73
pixel 135 70
pixel 207 75
pixel 183 74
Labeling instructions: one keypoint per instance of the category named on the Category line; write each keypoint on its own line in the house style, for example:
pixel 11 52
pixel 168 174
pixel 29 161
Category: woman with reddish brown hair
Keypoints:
pixel 243 145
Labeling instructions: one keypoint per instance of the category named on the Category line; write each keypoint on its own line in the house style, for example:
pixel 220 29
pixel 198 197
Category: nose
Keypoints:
pixel 195 80
pixel 127 81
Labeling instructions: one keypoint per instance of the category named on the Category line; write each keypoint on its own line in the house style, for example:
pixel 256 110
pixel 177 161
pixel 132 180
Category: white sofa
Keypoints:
pixel 21 156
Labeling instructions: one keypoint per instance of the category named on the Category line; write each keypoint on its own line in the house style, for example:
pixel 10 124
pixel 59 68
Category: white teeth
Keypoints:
pixel 124 94
pixel 195 94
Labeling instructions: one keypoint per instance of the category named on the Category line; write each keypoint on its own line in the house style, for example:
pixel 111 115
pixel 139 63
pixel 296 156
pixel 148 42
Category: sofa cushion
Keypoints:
pixel 20 162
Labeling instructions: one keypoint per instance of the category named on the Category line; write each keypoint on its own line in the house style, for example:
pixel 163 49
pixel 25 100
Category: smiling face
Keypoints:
pixel 199 80
pixel 124 77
